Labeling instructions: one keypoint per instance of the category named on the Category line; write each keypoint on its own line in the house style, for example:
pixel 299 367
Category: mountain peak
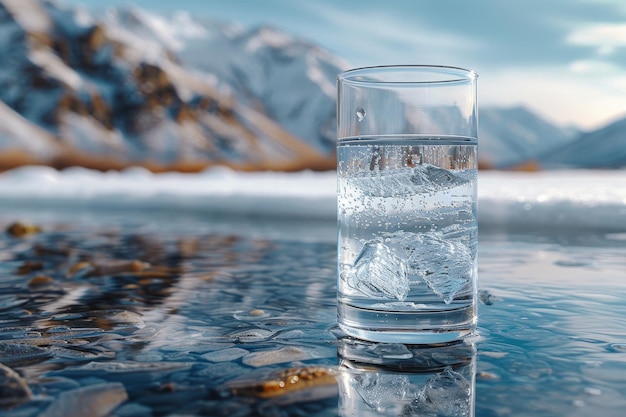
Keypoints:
pixel 511 136
pixel 30 15
pixel 267 36
pixel 181 92
pixel 116 90
pixel 602 148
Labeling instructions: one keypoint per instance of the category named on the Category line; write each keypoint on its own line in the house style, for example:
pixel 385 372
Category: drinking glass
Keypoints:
pixel 407 228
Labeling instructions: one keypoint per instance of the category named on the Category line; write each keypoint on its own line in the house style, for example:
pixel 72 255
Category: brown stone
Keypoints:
pixel 19 229
pixel 40 280
pixel 13 388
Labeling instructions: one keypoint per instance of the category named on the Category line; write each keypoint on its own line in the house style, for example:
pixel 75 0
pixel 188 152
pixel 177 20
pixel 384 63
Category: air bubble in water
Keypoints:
pixel 360 114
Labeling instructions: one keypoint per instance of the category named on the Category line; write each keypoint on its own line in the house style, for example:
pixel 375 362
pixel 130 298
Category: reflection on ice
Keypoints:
pixel 424 381
pixel 447 393
pixel 380 393
pixel 152 322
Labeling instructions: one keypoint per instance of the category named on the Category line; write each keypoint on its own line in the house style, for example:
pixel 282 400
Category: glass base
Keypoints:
pixel 408 327
pixel 405 337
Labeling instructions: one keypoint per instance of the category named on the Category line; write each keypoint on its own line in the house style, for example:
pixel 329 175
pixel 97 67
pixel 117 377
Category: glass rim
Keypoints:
pixel 456 74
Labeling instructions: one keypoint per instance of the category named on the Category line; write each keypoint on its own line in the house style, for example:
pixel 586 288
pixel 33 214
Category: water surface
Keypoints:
pixel 162 315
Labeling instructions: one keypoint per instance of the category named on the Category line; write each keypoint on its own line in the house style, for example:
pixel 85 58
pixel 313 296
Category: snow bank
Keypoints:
pixel 555 199
pixel 573 199
pixel 219 190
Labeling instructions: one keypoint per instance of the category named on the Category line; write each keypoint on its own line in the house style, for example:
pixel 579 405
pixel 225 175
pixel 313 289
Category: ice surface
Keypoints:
pixel 387 266
pixel 379 273
pixel 274 356
pixel 14 389
pixel 251 335
pixel 225 355
pixel 19 354
pixel 445 394
pixel 93 400
pixel 128 367
pixel 423 178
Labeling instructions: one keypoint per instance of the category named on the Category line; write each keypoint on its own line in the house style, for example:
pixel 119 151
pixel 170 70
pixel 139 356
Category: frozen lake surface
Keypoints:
pixel 172 309
pixel 144 317
pixel 580 199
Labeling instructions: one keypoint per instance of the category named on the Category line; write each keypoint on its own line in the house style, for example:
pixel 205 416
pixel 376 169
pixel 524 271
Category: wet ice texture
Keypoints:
pixel 445 394
pixel 388 265
pixel 93 400
pixel 383 392
pixel 445 265
pixel 14 389
pixel 409 181
pixel 379 273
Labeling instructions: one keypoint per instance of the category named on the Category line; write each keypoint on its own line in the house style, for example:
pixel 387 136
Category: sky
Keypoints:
pixel 564 59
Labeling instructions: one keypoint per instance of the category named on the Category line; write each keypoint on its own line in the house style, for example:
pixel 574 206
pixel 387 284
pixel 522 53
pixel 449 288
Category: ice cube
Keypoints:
pixel 446 394
pixel 433 178
pixel 378 273
pixel 391 351
pixel 383 392
pixel 445 265
pixel 410 181
pixel 387 266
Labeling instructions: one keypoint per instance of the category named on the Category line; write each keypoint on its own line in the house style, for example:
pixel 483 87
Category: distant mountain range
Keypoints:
pixel 182 92
pixel 602 148
pixel 116 90
pixel 510 137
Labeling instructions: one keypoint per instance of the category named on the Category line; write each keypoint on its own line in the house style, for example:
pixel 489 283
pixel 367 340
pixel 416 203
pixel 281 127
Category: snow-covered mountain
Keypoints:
pixel 602 148
pixel 112 91
pixel 291 80
pixel 184 92
pixel 512 136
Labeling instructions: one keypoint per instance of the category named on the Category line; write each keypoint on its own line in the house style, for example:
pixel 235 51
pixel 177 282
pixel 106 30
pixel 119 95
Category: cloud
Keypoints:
pixel 561 58
pixel 593 67
pixel 375 36
pixel 606 37
pixel 562 96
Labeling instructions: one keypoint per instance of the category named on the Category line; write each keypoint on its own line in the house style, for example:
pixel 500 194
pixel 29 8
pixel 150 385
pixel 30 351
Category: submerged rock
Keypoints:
pixel 29 266
pixel 13 388
pixel 284 382
pixel 19 229
pixel 93 400
pixel 273 356
pixel 22 354
pixel 40 280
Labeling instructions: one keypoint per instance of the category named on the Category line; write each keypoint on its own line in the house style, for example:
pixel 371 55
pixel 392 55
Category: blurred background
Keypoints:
pixel 251 85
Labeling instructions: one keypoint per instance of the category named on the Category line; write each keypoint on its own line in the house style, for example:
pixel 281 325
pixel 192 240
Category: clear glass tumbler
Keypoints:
pixel 407 228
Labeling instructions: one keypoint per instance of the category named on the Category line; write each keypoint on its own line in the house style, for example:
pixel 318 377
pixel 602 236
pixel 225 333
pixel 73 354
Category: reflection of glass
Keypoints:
pixel 383 379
